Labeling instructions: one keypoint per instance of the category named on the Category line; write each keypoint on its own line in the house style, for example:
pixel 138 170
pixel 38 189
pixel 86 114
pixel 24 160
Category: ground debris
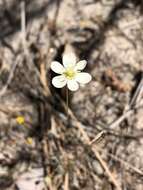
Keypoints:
pixel 89 147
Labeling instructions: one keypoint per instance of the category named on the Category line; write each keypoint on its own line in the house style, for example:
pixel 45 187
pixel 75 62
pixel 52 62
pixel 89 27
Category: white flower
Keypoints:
pixel 70 73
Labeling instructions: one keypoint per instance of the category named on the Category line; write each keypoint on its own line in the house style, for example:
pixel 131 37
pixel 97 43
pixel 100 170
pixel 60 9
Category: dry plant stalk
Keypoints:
pixel 43 79
pixel 94 149
pixel 23 25
pixel 66 182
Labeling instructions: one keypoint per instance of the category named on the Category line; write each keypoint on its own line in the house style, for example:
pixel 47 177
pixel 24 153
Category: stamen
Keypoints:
pixel 70 73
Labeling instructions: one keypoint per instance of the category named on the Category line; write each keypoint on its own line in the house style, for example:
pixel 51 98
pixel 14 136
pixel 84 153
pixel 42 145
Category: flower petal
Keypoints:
pixel 69 60
pixel 83 78
pixel 81 65
pixel 72 85
pixel 57 67
pixel 59 81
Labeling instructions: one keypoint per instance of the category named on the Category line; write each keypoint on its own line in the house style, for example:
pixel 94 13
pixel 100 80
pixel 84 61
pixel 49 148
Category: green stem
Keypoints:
pixel 67 102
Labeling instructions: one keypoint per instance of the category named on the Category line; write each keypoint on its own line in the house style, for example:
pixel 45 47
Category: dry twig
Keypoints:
pixel 66 183
pixel 95 150
pixel 133 168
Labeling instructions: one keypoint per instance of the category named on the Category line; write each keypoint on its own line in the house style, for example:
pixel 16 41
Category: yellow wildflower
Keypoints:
pixel 20 120
pixel 29 141
pixel 47 180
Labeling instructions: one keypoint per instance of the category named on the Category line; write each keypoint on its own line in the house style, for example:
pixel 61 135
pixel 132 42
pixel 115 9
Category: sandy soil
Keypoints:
pixel 51 150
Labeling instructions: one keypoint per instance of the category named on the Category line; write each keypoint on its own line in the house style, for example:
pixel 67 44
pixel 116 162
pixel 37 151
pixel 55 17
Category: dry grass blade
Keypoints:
pixel 138 93
pixel 66 183
pixel 98 136
pixel 120 119
pixel 43 79
pixel 11 75
pixel 104 165
pixel 95 150
pixel 23 26
pixel 133 168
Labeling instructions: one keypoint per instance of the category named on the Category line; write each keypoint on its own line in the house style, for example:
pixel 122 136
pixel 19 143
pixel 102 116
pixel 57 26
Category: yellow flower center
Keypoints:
pixel 70 73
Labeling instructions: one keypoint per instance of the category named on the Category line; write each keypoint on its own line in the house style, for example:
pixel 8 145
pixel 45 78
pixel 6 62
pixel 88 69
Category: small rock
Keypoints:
pixel 97 167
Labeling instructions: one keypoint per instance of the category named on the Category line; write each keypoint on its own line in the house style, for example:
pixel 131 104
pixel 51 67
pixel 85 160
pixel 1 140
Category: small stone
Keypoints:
pixel 97 167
